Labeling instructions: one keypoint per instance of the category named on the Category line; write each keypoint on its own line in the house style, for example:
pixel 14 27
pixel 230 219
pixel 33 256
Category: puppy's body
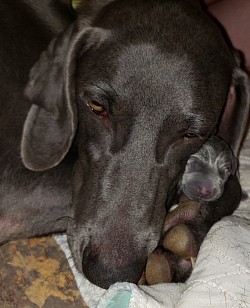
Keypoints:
pixel 125 94
pixel 208 170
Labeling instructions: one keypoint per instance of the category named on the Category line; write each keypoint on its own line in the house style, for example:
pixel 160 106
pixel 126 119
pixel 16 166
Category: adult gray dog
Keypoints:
pixel 112 111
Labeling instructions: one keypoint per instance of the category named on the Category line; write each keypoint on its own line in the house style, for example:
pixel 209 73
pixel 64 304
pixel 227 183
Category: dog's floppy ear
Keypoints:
pixel 51 122
pixel 236 112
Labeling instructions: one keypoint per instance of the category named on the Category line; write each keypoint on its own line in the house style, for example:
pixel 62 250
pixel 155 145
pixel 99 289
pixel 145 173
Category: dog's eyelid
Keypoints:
pixel 192 135
pixel 95 98
pixel 100 92
pixel 197 125
pixel 97 108
pixel 98 99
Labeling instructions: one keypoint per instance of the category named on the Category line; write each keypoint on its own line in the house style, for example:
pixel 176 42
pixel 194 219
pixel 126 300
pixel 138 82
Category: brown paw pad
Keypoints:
pixel 181 242
pixel 158 268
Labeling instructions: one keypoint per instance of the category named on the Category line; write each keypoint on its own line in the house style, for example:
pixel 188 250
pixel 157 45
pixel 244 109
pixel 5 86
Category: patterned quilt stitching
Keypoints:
pixel 210 282
pixel 214 285
pixel 220 276
pixel 242 267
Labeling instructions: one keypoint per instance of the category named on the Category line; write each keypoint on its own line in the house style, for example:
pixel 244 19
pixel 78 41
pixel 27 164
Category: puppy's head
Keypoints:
pixel 208 170
pixel 137 92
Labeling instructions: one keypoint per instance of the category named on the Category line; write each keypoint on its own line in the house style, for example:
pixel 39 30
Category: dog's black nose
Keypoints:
pixel 103 273
pixel 104 276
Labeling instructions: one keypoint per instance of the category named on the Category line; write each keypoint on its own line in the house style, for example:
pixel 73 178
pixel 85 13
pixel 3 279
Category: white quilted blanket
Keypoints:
pixel 220 279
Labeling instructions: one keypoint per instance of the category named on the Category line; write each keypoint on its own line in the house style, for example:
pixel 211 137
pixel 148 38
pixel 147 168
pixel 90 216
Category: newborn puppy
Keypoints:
pixel 207 171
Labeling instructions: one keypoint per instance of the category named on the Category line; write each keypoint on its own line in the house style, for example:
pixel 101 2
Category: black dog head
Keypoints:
pixel 139 86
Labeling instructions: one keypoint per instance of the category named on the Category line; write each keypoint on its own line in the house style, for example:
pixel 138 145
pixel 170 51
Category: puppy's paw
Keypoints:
pixel 184 212
pixel 181 242
pixel 159 268
pixel 174 258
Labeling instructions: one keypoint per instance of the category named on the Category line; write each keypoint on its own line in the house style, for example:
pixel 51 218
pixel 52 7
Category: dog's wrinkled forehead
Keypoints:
pixel 141 75
pixel 158 61
pixel 162 79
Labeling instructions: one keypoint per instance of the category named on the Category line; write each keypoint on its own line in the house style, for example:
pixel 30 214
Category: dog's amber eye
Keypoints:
pixel 97 108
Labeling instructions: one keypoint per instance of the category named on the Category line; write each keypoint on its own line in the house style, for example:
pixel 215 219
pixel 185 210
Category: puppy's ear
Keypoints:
pixel 51 123
pixel 234 164
pixel 236 113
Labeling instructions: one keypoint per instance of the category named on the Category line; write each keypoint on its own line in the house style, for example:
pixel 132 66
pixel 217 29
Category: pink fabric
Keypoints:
pixel 234 16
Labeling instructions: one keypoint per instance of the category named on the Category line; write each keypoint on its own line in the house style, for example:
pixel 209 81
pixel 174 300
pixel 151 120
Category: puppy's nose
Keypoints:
pixel 204 192
pixel 103 274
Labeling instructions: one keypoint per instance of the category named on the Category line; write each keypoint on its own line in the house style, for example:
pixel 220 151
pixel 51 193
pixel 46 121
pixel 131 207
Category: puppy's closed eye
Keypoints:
pixel 196 166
